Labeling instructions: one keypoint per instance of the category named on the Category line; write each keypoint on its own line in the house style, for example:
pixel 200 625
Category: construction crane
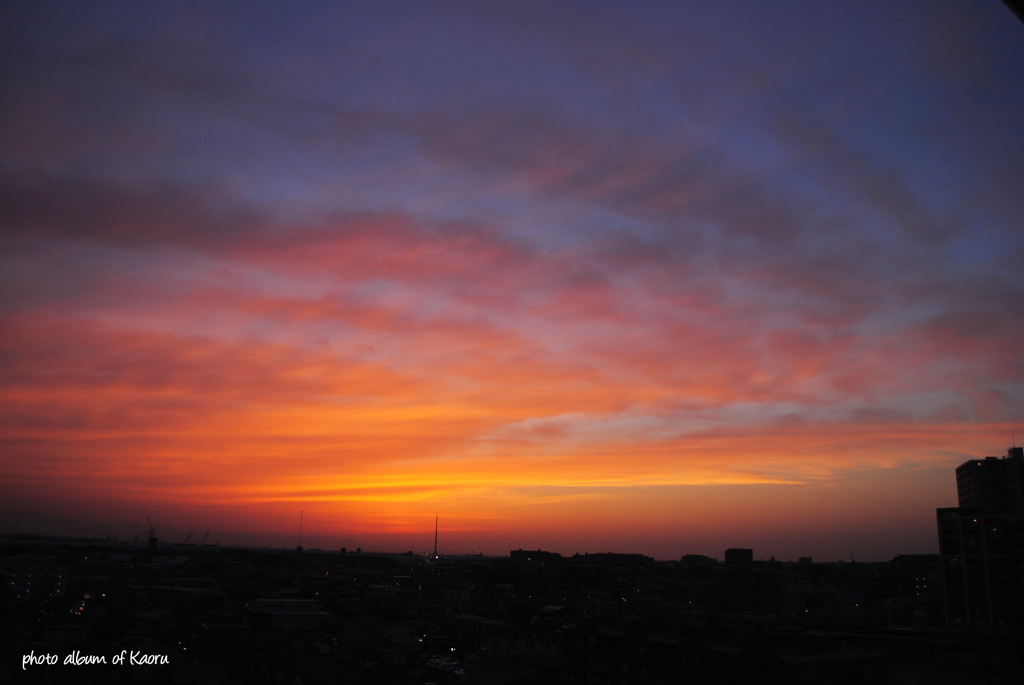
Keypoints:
pixel 151 533
pixel 206 536
pixel 190 534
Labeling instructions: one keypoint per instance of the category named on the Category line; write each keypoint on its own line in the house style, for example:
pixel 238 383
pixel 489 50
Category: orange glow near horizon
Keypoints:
pixel 203 441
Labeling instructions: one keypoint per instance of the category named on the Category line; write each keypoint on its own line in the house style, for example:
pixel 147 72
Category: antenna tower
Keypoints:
pixel 300 530
pixel 435 536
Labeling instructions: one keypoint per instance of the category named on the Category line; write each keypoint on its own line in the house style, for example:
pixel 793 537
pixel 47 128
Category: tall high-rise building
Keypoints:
pixel 992 484
pixel 980 543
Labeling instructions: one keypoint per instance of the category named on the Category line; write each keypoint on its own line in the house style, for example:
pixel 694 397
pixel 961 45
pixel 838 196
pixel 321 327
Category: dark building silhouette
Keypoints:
pixel 739 556
pixel 613 559
pixel 691 560
pixel 980 544
pixel 539 556
pixel 992 484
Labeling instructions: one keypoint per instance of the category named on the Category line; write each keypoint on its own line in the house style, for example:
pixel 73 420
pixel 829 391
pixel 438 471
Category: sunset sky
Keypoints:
pixel 639 277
